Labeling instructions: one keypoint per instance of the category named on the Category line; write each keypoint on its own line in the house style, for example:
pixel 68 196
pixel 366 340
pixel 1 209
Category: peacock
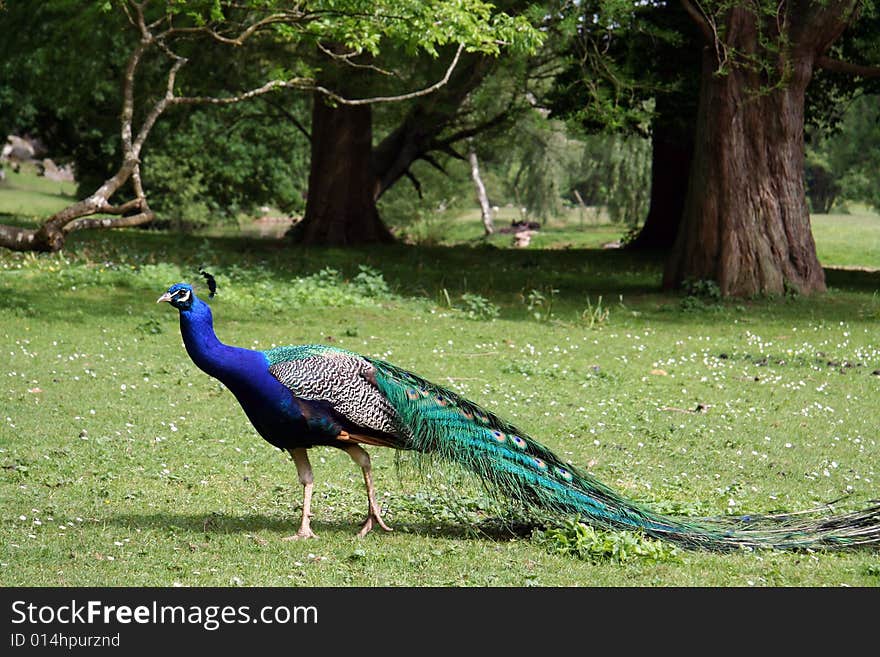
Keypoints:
pixel 299 397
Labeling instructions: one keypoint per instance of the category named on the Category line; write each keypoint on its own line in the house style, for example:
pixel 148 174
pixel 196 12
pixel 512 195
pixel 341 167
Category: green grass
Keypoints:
pixel 32 197
pixel 848 240
pixel 577 228
pixel 122 464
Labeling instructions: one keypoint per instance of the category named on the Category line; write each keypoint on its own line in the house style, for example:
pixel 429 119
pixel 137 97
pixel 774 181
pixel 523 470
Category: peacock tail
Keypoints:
pixel 513 465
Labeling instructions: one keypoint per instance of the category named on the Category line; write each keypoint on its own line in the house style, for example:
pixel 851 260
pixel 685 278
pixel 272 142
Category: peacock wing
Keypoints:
pixel 347 383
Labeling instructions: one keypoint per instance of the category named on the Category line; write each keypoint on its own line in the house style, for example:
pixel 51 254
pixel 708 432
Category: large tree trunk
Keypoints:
pixel 348 175
pixel 746 224
pixel 341 204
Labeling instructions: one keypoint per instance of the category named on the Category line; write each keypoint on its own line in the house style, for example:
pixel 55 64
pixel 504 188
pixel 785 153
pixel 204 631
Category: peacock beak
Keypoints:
pixel 164 297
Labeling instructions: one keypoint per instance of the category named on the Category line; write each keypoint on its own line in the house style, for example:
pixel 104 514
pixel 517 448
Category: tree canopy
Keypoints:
pixel 165 48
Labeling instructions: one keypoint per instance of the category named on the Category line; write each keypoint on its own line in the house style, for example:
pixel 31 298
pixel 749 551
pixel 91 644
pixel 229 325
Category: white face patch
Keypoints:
pixel 182 296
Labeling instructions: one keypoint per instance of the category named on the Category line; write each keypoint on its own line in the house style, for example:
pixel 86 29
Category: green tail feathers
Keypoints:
pixel 514 465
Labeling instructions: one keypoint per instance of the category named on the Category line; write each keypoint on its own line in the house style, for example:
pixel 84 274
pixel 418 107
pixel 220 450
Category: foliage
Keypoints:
pixel 51 53
pixel 540 162
pixel 613 67
pixel 843 164
pixel 540 303
pixel 615 171
pixel 595 315
pixel 260 160
pixel 574 538
pixel 822 186
pixel 370 282
pixel 700 294
pixel 478 307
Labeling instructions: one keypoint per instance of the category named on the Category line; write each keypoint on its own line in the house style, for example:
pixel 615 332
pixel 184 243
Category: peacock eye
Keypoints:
pixel 182 295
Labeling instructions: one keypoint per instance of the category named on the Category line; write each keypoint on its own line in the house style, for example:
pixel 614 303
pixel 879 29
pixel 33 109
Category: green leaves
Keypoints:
pixel 367 26
pixel 364 26
pixel 576 539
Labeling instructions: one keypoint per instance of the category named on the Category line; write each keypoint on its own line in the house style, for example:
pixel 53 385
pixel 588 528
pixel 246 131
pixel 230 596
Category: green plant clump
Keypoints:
pixel 574 538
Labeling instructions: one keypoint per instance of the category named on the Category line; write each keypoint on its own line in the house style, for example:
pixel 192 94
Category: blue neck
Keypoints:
pixel 231 365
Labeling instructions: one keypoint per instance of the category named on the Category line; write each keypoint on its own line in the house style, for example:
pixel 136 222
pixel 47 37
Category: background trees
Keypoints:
pixel 159 39
pixel 603 103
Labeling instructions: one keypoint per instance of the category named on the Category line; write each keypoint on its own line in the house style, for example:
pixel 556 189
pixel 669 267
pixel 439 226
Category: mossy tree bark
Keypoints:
pixel 746 223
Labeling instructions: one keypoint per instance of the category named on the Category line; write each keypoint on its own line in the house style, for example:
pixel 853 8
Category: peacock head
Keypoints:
pixel 179 295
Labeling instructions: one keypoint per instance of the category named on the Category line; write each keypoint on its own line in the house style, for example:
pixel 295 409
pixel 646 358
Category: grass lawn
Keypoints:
pixel 848 240
pixel 123 464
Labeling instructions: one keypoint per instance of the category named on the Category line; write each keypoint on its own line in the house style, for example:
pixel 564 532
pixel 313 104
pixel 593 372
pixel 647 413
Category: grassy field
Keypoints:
pixel 122 464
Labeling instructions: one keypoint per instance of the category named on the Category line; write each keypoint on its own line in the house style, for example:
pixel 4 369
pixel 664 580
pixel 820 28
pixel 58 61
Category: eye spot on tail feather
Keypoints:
pixel 563 473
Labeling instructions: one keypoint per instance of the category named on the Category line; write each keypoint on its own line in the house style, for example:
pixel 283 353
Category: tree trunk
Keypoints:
pixel 341 205
pixel 746 224
pixel 482 197
pixel 676 71
pixel 671 152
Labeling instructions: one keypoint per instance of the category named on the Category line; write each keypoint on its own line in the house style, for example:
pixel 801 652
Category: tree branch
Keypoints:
pixel 415 182
pixel 290 117
pixel 700 18
pixel 158 108
pixel 120 222
pixel 391 99
pixel 305 84
pixel 244 35
pixel 18 239
pixel 346 59
pixel 467 133
pixel 848 68
pixel 427 157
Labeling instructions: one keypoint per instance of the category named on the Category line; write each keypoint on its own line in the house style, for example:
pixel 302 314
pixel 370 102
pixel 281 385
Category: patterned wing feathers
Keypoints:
pixel 347 383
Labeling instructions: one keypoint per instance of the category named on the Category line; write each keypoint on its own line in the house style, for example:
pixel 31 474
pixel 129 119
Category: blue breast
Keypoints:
pixel 270 406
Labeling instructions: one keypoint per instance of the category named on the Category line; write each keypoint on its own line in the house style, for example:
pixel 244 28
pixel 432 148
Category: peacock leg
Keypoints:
pixel 359 455
pixel 304 470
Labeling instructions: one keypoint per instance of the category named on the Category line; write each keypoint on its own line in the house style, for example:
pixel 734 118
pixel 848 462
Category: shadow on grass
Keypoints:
pixel 865 280
pixel 224 523
pixel 574 278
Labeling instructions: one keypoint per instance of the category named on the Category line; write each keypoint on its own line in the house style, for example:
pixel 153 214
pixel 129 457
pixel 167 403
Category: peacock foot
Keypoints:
pixel 301 534
pixel 372 520
pixel 305 530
